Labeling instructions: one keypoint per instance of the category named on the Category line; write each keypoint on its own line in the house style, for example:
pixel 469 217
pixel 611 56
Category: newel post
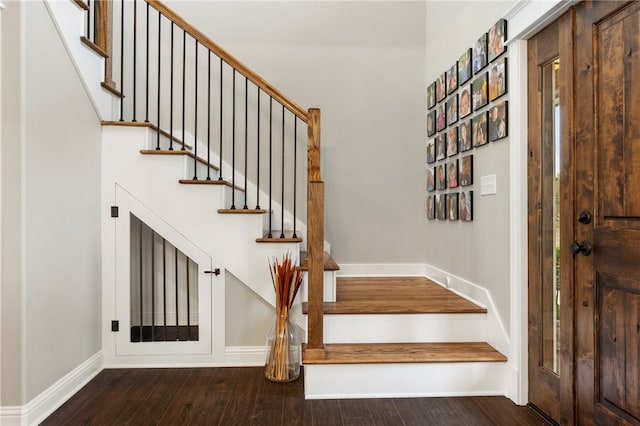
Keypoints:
pixel 315 239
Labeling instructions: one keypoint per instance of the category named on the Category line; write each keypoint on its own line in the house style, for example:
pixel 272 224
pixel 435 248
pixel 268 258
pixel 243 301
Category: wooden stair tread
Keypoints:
pixel 208 182
pixel 275 238
pixel 241 211
pixel 377 353
pixel 329 263
pixel 395 295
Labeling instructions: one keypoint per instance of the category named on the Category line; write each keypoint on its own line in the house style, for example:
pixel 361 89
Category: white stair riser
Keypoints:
pixel 329 287
pixel 404 380
pixel 386 328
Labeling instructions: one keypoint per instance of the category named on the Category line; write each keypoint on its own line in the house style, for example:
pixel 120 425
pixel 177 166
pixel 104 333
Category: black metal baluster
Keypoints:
pixel 195 124
pixel 159 80
pixel 184 77
pixel 140 276
pixel 270 235
pixel 208 114
pixel 171 95
pixel 164 287
pixel 295 170
pixel 233 145
pixel 282 182
pixel 153 285
pixel 175 251
pixel 220 153
pixel 135 57
pixel 246 138
pixel 146 111
pixel 258 156
pixel 188 301
pixel 122 60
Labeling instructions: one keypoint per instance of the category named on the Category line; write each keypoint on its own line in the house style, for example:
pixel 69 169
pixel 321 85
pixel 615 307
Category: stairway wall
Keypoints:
pixel 50 210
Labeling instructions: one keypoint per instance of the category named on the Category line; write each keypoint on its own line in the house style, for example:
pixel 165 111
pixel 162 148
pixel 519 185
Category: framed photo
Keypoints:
pixel 452 79
pixel 431 207
pixel 431 123
pixel 452 109
pixel 441 146
pixel 497 79
pixel 498 121
pixel 452 174
pixel 431 182
pixel 441 88
pixel 497 37
pixel 464 136
pixel 452 206
pixel 441 116
pixel 466 171
pixel 465 206
pixel 464 67
pixel 479 54
pixel 440 207
pixel 465 101
pixel 479 129
pixel 431 95
pixel 441 176
pixel 479 91
pixel 452 141
pixel 431 151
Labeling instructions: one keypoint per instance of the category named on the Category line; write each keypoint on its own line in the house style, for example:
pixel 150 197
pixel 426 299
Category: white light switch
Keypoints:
pixel 487 185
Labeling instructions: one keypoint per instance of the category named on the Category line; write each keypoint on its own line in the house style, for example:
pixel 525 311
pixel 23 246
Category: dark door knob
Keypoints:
pixel 584 248
pixel 584 217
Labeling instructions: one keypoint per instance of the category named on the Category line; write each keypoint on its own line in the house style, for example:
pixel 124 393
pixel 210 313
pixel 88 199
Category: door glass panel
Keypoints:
pixel 550 216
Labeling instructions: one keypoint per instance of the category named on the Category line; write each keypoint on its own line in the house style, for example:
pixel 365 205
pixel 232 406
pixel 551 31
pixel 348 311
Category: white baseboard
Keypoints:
pixel 382 269
pixel 52 398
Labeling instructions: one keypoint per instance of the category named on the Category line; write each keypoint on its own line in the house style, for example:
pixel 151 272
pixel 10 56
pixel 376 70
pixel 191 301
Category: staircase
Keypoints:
pixel 366 336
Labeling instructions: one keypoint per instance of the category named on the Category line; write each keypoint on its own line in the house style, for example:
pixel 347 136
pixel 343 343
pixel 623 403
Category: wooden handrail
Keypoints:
pixel 229 59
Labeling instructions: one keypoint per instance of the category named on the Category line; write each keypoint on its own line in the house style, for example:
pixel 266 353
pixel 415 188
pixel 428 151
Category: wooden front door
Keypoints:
pixel 607 143
pixel 584 216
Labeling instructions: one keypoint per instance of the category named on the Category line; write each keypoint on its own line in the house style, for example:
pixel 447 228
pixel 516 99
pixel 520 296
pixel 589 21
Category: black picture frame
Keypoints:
pixel 441 206
pixel 479 129
pixel 496 37
pixel 498 121
pixel 465 142
pixel 452 206
pixel 431 123
pixel 452 141
pixel 452 109
pixel 465 206
pixel 441 117
pixel 464 67
pixel 441 176
pixel 466 171
pixel 479 90
pixel 431 151
pixel 465 105
pixel 479 54
pixel 431 207
pixel 441 146
pixel 452 174
pixel 452 79
pixel 441 87
pixel 497 79
pixel 431 179
pixel 431 95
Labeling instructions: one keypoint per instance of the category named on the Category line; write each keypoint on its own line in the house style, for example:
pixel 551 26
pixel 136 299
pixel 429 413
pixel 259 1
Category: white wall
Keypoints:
pixel 363 64
pixel 477 251
pixel 51 217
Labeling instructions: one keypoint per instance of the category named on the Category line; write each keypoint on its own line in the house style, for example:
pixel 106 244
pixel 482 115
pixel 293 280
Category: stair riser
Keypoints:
pixel 387 328
pixel 405 380
pixel 329 287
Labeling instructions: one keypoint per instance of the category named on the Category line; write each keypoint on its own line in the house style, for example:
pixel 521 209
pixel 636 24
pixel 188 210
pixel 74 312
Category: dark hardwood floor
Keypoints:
pixel 242 396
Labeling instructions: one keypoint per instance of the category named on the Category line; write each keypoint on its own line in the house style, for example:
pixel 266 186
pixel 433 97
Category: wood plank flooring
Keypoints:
pixel 242 396
pixel 395 295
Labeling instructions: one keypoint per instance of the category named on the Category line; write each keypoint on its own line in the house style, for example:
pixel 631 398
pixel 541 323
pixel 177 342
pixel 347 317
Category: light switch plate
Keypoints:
pixel 487 185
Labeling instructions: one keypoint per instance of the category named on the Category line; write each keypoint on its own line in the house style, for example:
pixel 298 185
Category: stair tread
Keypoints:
pixel 395 295
pixel 241 211
pixel 275 237
pixel 329 263
pixel 374 353
pixel 208 182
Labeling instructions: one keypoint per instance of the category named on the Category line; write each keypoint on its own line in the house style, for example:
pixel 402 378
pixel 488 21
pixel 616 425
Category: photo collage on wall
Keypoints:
pixel 465 111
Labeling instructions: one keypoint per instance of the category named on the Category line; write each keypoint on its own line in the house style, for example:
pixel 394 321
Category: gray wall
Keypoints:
pixel 59 248
pixel 477 251
pixel 363 64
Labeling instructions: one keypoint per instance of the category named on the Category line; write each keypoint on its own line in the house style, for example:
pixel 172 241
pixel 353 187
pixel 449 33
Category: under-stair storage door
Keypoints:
pixel 164 288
